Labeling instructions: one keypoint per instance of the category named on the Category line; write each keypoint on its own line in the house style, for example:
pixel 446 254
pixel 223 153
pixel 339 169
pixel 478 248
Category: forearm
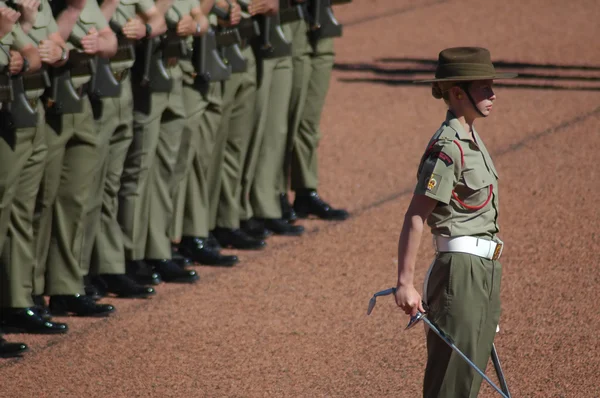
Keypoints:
pixel 201 19
pixel 156 20
pixel 408 247
pixel 33 57
pixel 55 37
pixel 66 21
pixel 163 5
pixel 107 44
pixel 26 26
pixel 206 6
pixel 108 9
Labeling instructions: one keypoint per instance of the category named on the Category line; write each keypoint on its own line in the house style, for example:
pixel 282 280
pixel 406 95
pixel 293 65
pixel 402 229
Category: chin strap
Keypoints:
pixel 466 88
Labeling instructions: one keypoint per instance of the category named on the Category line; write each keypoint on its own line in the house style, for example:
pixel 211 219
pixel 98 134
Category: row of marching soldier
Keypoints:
pixel 141 137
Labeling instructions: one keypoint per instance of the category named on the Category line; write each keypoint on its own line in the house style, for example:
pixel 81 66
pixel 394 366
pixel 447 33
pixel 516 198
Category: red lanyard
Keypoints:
pixel 462 164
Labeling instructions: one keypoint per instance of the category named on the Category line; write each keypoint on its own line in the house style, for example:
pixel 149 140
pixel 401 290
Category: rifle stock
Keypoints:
pixel 207 62
pixel 323 23
pixel 272 41
pixel 21 113
pixel 154 73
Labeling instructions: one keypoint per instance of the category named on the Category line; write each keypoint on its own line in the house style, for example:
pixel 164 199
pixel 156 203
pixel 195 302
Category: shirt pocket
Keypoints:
pixel 475 189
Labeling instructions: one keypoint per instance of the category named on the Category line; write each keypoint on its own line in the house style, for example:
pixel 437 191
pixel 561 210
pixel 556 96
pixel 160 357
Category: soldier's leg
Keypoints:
pixel 196 219
pixel 264 195
pixel 106 119
pixel 304 172
pixel 18 254
pixel 301 69
pixel 161 187
pixel 259 127
pixel 237 128
pixel 134 196
pixel 64 279
pixel 59 130
pixel 107 257
pixel 468 312
pixel 18 178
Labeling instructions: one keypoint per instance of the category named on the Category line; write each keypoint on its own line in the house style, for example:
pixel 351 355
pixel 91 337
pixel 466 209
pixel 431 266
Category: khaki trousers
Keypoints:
pixel 463 296
pixel 23 153
pixel 63 199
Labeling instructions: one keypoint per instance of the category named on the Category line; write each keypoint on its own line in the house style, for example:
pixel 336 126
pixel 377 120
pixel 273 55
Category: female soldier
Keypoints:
pixel 457 193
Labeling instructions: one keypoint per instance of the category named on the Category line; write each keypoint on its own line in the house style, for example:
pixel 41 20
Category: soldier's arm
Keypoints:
pixel 8 18
pixel 27 48
pixel 108 8
pixel 107 42
pixel 206 6
pixel 152 15
pixel 419 209
pixel 163 5
pixel 29 11
pixel 68 17
pixel 200 19
pixel 58 40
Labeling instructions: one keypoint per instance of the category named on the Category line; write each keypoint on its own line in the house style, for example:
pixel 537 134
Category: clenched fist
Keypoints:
pixel 50 52
pixel 186 26
pixel 16 62
pixel 134 29
pixel 8 18
pixel 90 42
pixel 29 10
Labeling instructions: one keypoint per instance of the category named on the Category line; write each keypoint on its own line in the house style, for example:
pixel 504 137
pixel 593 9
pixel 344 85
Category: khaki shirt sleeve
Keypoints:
pixel 439 172
pixel 144 6
pixel 52 26
pixel 21 40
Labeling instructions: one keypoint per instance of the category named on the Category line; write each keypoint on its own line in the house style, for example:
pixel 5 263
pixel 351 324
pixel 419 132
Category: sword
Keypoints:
pixel 422 317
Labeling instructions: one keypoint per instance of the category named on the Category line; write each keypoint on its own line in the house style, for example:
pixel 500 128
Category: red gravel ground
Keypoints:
pixel 290 321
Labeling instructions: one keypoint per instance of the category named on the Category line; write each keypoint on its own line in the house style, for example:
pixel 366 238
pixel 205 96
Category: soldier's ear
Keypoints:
pixel 456 92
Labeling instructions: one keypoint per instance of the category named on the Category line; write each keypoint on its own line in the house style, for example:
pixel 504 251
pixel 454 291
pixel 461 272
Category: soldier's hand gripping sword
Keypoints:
pixel 422 317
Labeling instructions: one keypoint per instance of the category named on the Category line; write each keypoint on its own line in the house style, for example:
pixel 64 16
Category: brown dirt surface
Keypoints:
pixel 291 322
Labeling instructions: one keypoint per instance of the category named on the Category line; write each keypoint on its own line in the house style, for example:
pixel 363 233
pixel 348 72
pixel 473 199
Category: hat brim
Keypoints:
pixel 497 76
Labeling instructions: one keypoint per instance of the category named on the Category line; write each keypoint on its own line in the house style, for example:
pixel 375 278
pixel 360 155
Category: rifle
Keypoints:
pixel 103 82
pixel 322 21
pixel 62 97
pixel 19 112
pixel 207 61
pixel 229 39
pixel 174 46
pixel 289 12
pixel 272 42
pixel 151 66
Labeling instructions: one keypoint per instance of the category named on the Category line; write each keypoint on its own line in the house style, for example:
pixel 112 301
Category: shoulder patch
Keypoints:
pixel 443 157
pixel 433 183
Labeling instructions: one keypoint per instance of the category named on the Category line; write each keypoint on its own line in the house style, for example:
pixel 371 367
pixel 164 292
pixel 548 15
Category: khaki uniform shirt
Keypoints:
pixel 184 7
pixel 451 178
pixel 16 40
pixel 90 16
pixel 44 26
pixel 126 10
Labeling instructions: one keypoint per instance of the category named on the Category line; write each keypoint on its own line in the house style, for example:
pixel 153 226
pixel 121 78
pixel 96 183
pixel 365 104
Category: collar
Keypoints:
pixel 455 125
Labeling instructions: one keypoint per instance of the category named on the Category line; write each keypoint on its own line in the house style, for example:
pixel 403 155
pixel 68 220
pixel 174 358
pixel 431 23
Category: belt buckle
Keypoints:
pixel 497 251
pixel 171 62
